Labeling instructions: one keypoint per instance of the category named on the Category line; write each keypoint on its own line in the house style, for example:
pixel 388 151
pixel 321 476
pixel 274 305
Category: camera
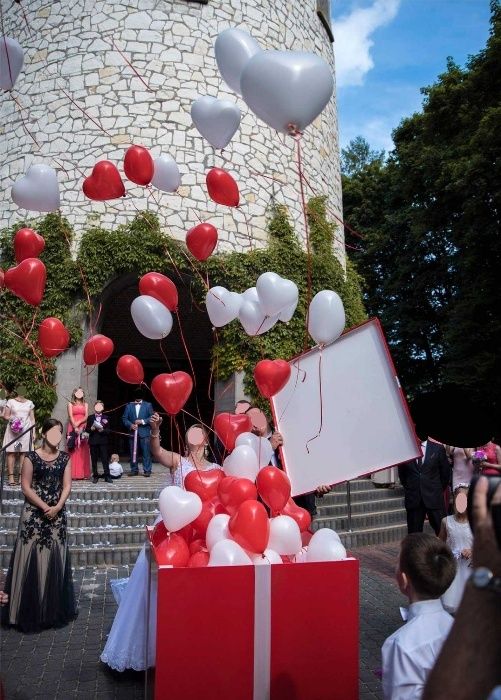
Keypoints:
pixel 494 482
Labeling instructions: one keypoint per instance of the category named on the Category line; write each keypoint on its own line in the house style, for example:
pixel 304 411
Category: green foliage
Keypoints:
pixel 358 155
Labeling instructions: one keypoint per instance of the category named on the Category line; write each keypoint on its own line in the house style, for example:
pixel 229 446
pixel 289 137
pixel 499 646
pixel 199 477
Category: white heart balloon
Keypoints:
pixel 286 314
pixel 326 317
pixel 217 120
pixel 275 293
pixel 302 556
pixel 242 463
pixel 261 446
pixel 234 48
pixel 166 175
pixel 11 63
pixel 267 557
pixel 38 190
pixel 228 553
pixel 151 318
pixel 217 530
pixel 253 318
pixel 287 89
pixel 251 295
pixel 178 507
pixel 285 536
pixel 325 545
pixel 222 306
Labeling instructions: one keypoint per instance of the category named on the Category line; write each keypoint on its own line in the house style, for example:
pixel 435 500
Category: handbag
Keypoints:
pixel 71 440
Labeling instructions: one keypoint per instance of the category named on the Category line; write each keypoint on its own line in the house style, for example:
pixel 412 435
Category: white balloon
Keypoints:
pixel 302 556
pixel 253 318
pixel 326 317
pixel 287 88
pixel 285 536
pixel 151 318
pixel 217 120
pixel 261 446
pixel 228 553
pixel 275 293
pixel 217 530
pixel 178 507
pixel 38 190
pixel 222 306
pixel 11 63
pixel 286 314
pixel 234 48
pixel 325 545
pixel 267 557
pixel 251 295
pixel 242 463
pixel 166 175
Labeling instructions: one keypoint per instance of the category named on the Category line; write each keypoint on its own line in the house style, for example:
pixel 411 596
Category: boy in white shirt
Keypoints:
pixel 425 571
pixel 116 470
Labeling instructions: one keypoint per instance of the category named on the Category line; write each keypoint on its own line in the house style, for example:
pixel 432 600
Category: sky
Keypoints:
pixel 386 50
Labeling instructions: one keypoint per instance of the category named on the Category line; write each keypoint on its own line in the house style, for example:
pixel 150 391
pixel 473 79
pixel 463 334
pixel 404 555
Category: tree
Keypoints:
pixel 358 155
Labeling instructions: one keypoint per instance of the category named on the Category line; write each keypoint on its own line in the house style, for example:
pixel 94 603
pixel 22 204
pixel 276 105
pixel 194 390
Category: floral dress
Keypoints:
pixel 39 580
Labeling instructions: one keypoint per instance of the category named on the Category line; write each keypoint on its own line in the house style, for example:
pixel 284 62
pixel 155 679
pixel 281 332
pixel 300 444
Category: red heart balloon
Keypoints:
pixel 228 427
pixel 198 559
pixel 172 551
pixel 27 244
pixel 172 390
pixel 130 370
pixel 138 165
pixel 159 533
pixel 161 288
pixel 300 515
pixel 271 376
pixel 197 546
pixel 27 280
pixel 187 533
pixel 104 182
pixel 201 240
pixel 209 510
pixel 97 349
pixel 233 492
pixel 306 536
pixel 274 487
pixel 250 526
pixel 2 279
pixel 204 483
pixel 53 337
pixel 222 187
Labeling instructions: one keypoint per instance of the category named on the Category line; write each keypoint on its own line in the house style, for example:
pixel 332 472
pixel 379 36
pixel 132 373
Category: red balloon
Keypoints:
pixel 172 390
pixel 130 370
pixel 209 510
pixel 173 550
pixel 204 483
pixel 104 182
pixel 222 187
pixel 138 165
pixel 187 533
pixel 27 280
pixel 300 515
pixel 306 537
pixel 271 376
pixel 250 526
pixel 159 533
pixel 201 240
pixel 53 337
pixel 228 427
pixel 198 559
pixel 27 244
pixel 233 492
pixel 161 288
pixel 97 349
pixel 197 545
pixel 2 279
pixel 274 487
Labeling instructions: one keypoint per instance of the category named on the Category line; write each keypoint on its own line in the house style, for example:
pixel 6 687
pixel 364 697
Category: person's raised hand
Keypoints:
pixel 322 490
pixel 276 440
pixel 156 421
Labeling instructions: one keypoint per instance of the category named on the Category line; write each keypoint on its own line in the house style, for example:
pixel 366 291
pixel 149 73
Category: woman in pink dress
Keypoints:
pixel 78 412
pixel 462 464
pixel 492 464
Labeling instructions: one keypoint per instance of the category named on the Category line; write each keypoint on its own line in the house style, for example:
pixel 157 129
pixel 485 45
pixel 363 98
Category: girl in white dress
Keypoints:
pixel 19 413
pixel 455 530
pixel 125 647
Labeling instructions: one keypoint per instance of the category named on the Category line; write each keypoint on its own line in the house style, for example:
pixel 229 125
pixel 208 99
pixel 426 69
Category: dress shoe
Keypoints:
pixel 147 474
pixel 108 480
pixel 133 474
pixel 95 479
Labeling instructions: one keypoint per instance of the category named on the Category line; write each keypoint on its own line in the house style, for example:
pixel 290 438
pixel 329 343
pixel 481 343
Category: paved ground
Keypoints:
pixel 64 664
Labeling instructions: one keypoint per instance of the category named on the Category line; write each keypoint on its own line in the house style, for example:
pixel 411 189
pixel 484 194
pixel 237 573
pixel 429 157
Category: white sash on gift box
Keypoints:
pixel 262 631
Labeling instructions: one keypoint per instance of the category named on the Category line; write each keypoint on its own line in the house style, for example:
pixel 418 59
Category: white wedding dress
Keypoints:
pixel 126 644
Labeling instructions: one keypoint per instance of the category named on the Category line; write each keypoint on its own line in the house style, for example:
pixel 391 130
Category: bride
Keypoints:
pixel 125 647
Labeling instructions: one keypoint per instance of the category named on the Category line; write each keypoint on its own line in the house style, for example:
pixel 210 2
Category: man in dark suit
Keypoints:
pixel 424 481
pixel 136 417
pixel 98 429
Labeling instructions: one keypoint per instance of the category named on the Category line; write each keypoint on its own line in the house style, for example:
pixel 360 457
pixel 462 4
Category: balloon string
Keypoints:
pixel 94 121
pixel 321 400
pixel 297 137
pixel 189 360
pixel 18 2
pixel 183 410
pixel 298 370
pixel 165 356
pixel 112 42
pixel 21 108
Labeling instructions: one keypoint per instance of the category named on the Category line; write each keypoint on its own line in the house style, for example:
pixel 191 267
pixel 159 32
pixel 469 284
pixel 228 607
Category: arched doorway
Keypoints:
pixel 168 355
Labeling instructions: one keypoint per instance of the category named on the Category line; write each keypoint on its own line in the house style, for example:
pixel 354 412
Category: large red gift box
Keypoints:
pixel 284 632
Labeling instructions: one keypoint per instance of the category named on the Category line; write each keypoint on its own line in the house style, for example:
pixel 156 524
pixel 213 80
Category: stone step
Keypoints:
pixel 92 536
pixel 371 536
pixel 360 495
pixel 368 506
pixel 362 521
pixel 99 492
pixel 104 506
pixel 94 520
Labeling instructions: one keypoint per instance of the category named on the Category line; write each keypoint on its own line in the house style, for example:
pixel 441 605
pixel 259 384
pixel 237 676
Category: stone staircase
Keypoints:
pixel 106 521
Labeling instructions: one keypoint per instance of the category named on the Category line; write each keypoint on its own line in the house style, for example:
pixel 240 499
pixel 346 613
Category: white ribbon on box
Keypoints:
pixel 262 631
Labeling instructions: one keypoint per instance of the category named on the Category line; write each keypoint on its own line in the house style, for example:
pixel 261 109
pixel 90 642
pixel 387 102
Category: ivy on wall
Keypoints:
pixel 141 247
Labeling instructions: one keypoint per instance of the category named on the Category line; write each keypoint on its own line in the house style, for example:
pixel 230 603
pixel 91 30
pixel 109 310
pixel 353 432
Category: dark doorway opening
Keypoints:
pixel 168 355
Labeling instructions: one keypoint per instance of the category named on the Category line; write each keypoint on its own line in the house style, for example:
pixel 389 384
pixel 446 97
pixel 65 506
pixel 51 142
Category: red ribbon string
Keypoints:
pixel 131 66
pixel 321 401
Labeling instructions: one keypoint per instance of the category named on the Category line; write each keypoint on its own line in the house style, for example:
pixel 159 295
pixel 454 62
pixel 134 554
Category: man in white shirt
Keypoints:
pixel 425 571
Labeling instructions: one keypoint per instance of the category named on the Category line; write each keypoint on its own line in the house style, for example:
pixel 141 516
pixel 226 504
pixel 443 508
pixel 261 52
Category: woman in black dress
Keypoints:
pixel 39 580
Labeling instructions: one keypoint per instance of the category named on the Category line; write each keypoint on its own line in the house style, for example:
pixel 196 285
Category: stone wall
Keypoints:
pixel 170 43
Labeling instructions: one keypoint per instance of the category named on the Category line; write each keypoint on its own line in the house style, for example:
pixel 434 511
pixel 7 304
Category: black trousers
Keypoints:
pixel 416 516
pixel 99 452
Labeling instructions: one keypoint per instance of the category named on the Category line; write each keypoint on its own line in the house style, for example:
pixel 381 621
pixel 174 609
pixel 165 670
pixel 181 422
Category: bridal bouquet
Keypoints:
pixel 16 425
pixel 478 457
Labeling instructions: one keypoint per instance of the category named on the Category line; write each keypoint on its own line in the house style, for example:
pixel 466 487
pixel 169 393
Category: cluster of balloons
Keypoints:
pixel 151 311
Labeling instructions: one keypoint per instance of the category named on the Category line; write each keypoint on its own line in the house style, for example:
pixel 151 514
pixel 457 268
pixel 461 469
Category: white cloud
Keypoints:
pixel 353 41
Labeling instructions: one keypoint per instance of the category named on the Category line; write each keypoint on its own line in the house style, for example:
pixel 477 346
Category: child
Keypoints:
pixel 116 470
pixel 98 430
pixel 455 530
pixel 425 571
